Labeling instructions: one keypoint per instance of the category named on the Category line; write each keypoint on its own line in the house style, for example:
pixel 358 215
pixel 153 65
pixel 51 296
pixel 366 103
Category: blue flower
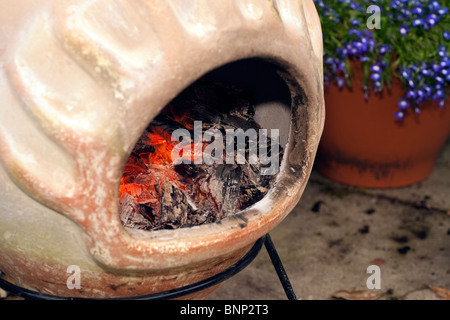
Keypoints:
pixel 443 11
pixel 431 20
pixel 417 22
pixel 403 30
pixel 439 79
pixel 383 49
pixel 375 76
pixel 435 67
pixel 354 5
pixel 354 32
pixel 375 68
pixel 435 5
pixel 411 94
pixel 400 115
pixel 446 35
pixel 395 4
pixel 406 73
pixel 378 86
pixel 403 104
pixel 417 10
pixel 439 94
pixel 426 72
pixel 444 63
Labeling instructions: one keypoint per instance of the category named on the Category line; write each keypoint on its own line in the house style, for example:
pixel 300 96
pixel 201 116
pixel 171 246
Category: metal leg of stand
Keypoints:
pixel 282 275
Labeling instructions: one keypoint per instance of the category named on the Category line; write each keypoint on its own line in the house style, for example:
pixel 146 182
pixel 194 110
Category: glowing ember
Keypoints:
pixel 156 192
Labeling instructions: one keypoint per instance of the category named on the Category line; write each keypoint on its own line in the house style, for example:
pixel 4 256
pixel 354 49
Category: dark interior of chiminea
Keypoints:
pixel 187 169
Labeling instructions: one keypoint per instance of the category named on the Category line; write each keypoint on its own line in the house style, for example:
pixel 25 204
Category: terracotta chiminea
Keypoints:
pixel 79 83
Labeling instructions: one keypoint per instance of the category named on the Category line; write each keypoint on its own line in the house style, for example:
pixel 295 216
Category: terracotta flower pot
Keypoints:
pixel 364 145
pixel 79 83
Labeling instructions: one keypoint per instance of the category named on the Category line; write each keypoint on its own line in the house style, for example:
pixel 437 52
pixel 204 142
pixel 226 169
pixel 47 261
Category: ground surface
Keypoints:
pixel 335 233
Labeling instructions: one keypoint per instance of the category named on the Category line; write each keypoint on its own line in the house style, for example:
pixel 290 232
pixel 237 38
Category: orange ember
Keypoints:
pixel 146 171
pixel 164 148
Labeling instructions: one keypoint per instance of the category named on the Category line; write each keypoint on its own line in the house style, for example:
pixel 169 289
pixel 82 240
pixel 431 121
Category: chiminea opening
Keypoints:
pixel 212 152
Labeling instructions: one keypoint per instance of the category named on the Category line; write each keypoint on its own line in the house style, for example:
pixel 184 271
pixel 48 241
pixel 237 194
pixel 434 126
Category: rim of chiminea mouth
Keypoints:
pixel 284 188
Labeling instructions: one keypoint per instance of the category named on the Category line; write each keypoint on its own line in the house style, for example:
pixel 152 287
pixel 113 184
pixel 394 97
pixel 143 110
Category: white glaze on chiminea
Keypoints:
pixel 80 81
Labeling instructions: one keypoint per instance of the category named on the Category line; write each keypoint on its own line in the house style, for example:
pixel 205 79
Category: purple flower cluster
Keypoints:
pixel 425 81
pixel 417 13
pixel 360 46
pixel 413 44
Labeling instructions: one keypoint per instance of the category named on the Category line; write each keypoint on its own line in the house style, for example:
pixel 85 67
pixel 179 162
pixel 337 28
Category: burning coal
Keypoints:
pixel 202 159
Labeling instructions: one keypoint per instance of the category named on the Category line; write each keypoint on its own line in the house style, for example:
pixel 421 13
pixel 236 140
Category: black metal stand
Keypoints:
pixel 282 275
pixel 183 291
